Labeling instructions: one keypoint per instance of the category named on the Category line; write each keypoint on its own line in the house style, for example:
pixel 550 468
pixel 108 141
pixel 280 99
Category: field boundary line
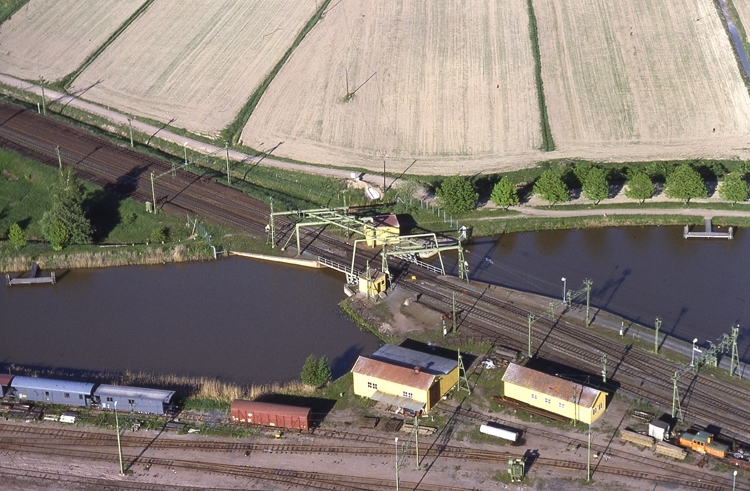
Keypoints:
pixel 68 80
pixel 548 143
pixel 233 132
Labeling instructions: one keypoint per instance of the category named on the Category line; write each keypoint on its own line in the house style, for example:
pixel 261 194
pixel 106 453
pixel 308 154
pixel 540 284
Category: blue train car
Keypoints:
pixel 135 399
pixel 51 391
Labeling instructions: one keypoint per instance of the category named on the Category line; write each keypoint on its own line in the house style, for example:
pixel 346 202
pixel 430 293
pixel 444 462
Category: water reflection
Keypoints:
pixel 236 319
pixel 698 287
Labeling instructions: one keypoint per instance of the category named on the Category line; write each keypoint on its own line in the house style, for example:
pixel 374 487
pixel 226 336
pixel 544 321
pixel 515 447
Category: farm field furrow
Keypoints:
pixel 194 64
pixel 448 84
pixel 641 79
pixel 52 38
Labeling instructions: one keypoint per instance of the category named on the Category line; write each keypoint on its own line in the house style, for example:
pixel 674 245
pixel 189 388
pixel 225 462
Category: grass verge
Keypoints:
pixel 10 7
pixel 547 143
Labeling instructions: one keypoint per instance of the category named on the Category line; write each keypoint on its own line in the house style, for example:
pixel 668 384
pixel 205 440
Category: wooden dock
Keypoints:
pixel 708 233
pixel 33 278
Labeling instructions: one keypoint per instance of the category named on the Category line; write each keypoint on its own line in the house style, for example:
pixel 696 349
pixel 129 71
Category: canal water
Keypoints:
pixel 699 287
pixel 237 319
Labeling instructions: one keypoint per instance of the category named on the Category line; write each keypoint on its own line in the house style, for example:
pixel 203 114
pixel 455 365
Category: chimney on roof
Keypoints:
pixel 416 369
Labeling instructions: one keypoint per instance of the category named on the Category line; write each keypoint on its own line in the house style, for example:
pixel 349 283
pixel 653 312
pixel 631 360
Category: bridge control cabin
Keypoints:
pixel 381 227
pixel 51 391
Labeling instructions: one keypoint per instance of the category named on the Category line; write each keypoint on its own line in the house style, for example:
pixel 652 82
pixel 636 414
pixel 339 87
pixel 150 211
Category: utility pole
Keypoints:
pixel 735 364
pixel 657 326
pixel 119 447
pixel 153 192
pixel 587 282
pixel 416 436
pixel 453 314
pixel 588 464
pixel 44 101
pixel 59 159
pixel 226 147
pixel 532 318
pixel 130 125
pixel 384 189
pixel 604 368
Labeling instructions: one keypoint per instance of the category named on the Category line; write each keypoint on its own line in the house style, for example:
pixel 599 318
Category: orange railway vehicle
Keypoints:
pixel 703 442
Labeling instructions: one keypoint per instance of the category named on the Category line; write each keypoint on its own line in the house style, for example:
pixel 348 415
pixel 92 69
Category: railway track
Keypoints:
pixel 35 438
pixel 126 172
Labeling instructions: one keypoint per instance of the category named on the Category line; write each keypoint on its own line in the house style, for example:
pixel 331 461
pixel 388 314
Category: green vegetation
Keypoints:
pixel 233 132
pixel 17 236
pixel 65 223
pixel 685 183
pixel 67 80
pixel 10 7
pixel 457 194
pixel 316 372
pixel 734 188
pixel 551 187
pixel 504 194
pixel 596 185
pixel 548 143
pixel 640 187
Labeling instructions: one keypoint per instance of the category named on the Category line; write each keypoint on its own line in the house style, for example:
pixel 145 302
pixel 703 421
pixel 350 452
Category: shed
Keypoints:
pixel 659 429
pixel 135 399
pixel 554 394
pixel 52 391
pixel 267 414
pixel 408 388
pixel 5 383
pixel 445 369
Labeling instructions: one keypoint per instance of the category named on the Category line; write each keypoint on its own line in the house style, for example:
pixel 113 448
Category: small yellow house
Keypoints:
pixel 554 394
pixel 405 378
pixel 381 227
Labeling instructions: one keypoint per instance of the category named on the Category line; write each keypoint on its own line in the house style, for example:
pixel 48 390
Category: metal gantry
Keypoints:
pixel 406 247
pixel 728 343
pixel 572 295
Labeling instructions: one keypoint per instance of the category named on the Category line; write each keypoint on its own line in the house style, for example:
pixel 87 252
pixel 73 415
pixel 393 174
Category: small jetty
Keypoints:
pixel 708 233
pixel 33 278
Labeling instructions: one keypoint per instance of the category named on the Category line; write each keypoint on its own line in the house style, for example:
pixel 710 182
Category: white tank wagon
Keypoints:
pixel 505 434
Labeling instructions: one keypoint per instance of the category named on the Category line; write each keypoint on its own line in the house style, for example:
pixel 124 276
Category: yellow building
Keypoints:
pixel 405 378
pixel 556 395
pixel 381 227
pixel 374 285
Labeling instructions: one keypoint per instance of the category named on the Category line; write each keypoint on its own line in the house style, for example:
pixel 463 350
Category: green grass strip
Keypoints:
pixel 233 132
pixel 67 80
pixel 548 144
pixel 743 36
pixel 10 7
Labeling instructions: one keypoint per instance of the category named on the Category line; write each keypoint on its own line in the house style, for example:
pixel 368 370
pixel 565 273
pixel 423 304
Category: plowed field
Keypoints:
pixel 450 84
pixel 641 79
pixel 52 38
pixel 194 63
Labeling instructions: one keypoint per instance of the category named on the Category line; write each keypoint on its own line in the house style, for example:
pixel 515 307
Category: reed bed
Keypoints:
pixel 114 256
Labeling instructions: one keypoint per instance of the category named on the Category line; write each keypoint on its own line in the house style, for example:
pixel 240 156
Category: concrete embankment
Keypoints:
pixel 308 263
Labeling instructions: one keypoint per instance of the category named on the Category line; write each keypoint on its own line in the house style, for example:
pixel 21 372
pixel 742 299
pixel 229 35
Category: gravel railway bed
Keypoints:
pixel 381 447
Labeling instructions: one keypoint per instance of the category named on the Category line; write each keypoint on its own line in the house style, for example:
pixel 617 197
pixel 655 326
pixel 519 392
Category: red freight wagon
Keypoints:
pixel 267 414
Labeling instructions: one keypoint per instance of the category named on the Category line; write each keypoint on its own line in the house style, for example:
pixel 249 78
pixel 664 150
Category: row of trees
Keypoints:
pixel 458 194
